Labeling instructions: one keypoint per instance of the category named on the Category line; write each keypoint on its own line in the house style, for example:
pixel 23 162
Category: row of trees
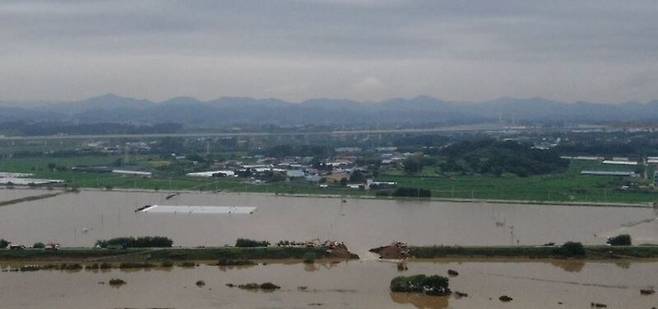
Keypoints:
pixel 250 243
pixel 5 243
pixel 139 242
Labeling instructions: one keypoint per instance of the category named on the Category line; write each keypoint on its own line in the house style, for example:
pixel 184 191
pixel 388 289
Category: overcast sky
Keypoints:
pixel 598 50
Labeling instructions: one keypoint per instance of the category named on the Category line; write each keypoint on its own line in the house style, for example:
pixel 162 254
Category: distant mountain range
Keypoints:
pixel 232 111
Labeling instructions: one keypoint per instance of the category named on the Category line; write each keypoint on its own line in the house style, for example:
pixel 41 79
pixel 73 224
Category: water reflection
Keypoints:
pixel 569 266
pixel 420 301
pixel 623 264
pixel 235 267
pixel 310 267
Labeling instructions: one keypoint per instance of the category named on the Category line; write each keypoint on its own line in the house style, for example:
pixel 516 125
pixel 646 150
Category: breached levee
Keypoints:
pixel 186 209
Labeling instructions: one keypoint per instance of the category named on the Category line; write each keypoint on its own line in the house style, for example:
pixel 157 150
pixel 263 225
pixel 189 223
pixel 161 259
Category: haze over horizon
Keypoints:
pixel 109 98
pixel 365 50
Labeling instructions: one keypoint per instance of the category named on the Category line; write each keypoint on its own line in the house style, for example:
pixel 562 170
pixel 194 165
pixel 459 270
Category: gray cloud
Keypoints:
pixel 593 50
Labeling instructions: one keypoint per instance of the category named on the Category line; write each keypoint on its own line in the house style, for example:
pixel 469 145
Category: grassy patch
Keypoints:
pixel 566 186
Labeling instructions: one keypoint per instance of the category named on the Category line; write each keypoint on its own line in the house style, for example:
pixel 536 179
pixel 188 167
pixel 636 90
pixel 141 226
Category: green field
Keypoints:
pixel 568 186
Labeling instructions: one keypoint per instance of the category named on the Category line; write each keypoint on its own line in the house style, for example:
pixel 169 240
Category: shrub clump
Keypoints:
pixel 187 264
pixel 130 265
pixel 3 243
pixel 39 245
pixel 250 243
pixel 139 242
pixel 229 262
pixel 620 240
pixel 30 268
pixel 117 282
pixel 71 267
pixel 571 249
pixel 167 264
pixel 267 286
pixel 93 267
pixel 430 285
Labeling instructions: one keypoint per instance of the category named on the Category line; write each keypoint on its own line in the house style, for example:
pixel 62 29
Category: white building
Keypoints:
pixel 222 173
pixel 133 173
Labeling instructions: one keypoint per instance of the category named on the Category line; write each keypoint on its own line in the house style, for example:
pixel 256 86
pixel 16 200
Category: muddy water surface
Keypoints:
pixel 357 284
pixel 79 219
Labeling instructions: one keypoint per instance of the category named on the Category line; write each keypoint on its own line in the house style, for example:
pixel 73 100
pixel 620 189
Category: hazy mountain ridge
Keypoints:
pixel 227 111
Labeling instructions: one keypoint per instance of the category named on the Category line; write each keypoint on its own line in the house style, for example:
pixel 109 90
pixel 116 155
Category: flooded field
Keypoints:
pixel 356 284
pixel 79 219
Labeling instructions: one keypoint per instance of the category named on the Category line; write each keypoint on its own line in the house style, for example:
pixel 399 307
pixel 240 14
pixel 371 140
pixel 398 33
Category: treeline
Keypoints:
pixel 494 157
pixel 54 128
pixel 250 243
pixel 639 147
pixel 139 242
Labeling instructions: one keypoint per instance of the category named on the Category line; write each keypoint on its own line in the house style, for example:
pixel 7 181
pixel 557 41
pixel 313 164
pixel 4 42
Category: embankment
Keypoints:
pixel 169 254
pixel 531 252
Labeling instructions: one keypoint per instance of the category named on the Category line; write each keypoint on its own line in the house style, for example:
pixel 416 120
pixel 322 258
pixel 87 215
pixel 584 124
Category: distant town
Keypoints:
pixel 587 164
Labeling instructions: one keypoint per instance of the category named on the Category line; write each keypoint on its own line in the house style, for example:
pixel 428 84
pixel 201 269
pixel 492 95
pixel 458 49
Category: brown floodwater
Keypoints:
pixel 79 219
pixel 354 284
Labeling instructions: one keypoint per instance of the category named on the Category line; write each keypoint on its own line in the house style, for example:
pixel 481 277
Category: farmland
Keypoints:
pixel 567 186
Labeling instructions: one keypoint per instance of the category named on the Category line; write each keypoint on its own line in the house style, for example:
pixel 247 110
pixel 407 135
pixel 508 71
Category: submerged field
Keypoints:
pixel 354 284
pixel 567 186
